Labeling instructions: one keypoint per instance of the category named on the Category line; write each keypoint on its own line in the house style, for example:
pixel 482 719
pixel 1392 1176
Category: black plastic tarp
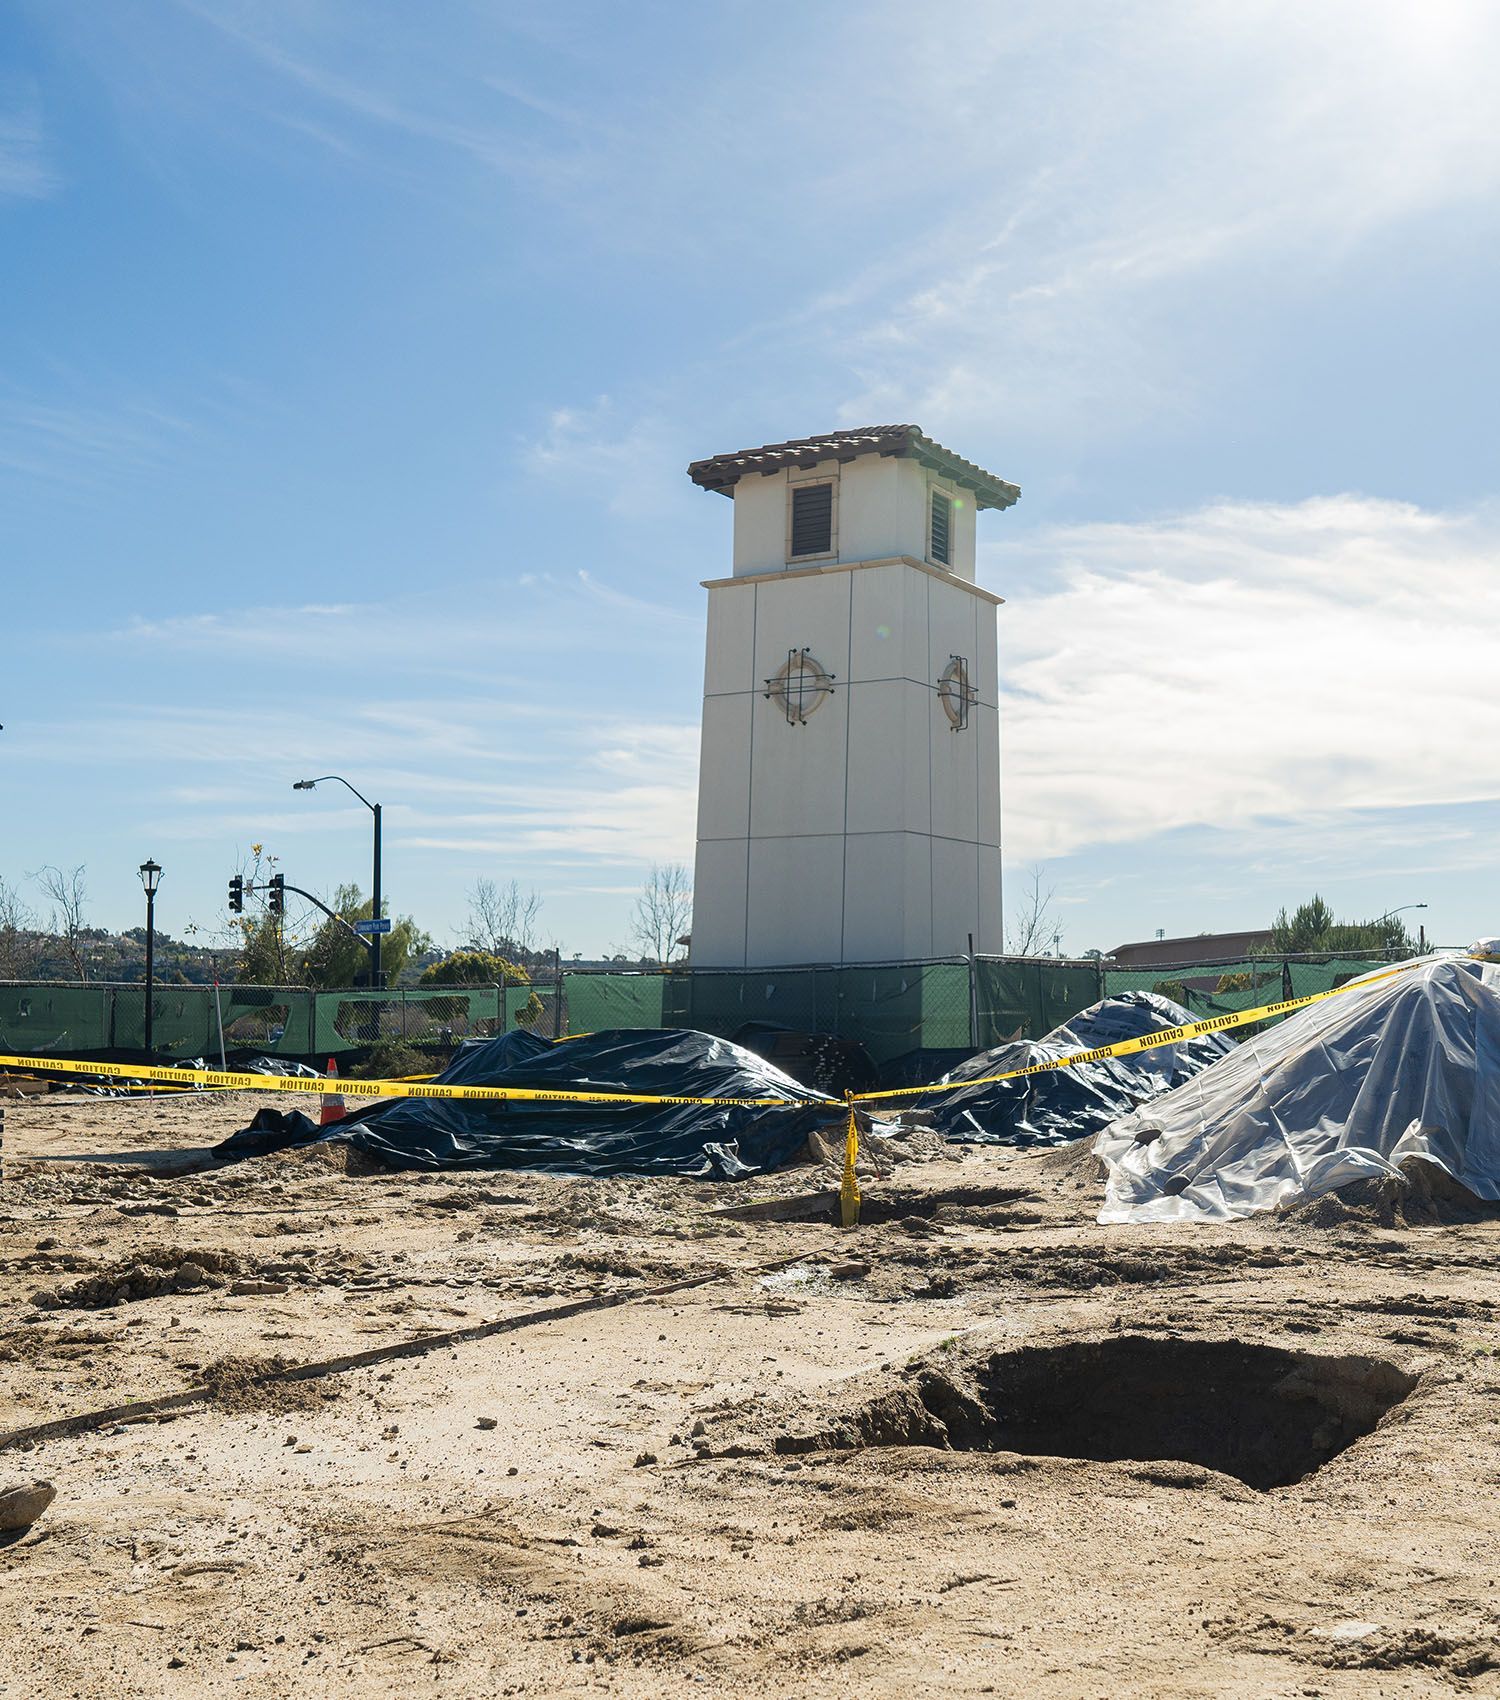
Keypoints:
pixel 707 1141
pixel 1069 1103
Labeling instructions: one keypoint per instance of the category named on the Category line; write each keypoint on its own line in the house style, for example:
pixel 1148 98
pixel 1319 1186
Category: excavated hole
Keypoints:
pixel 898 1204
pixel 1263 1414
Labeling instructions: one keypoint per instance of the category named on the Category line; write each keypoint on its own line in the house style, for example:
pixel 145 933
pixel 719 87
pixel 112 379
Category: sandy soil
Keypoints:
pixel 715 1489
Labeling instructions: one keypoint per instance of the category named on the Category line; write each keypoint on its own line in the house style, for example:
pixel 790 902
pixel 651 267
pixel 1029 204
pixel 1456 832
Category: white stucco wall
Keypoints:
pixel 880 511
pixel 760 524
pixel 871 832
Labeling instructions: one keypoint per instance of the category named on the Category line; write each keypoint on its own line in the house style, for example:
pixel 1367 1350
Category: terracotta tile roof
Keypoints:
pixel 723 472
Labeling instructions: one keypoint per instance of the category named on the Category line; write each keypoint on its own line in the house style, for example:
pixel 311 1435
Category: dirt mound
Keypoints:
pixel 906 1138
pixel 248 1383
pixel 1464 1650
pixel 37 1344
pixel 1099 1266
pixel 152 1271
pixel 326 1156
pixel 966 1203
pixel 1070 1168
pixel 1424 1196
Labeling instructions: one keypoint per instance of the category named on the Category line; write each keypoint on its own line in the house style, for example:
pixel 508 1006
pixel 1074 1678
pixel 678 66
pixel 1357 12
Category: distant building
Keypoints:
pixel 1201 947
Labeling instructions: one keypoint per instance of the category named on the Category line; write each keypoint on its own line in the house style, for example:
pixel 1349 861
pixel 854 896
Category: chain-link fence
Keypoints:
pixel 892 1009
pixel 1247 982
pixel 294 1022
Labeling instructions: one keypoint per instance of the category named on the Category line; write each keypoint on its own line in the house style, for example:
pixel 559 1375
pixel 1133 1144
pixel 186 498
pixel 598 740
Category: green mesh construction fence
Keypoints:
pixel 889 1008
pixel 1219 988
pixel 1023 998
pixel 286 1021
pixel 598 1001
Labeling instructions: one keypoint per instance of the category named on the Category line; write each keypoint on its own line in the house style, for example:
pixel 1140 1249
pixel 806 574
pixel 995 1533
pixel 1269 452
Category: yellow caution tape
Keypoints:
pixel 316 1085
pixel 1147 1042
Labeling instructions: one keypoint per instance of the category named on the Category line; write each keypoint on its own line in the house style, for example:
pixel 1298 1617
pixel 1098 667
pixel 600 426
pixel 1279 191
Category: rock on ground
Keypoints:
pixel 21 1503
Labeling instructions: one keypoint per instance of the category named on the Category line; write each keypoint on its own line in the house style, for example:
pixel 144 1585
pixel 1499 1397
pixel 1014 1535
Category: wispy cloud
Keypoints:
pixel 606 593
pixel 1247 661
pixel 26 170
pixel 629 460
pixel 1181 156
pixel 362 98
pixel 532 618
pixel 1019 248
pixel 409 101
pixel 582 787
pixel 91 444
pixel 1120 193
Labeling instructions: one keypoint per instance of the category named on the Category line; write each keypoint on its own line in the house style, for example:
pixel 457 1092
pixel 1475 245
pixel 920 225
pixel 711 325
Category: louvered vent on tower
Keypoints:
pixel 812 520
pixel 942 528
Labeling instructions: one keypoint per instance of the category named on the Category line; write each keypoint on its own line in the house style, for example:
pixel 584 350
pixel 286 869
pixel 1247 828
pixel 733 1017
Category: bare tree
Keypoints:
pixel 1034 924
pixel 663 911
pixel 68 894
pixel 21 947
pixel 502 919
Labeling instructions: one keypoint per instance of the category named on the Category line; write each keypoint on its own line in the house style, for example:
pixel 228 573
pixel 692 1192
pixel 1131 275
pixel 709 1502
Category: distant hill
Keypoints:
pixel 117 957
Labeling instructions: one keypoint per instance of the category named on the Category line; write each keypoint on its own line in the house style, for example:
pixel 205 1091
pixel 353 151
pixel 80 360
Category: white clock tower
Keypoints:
pixel 849 787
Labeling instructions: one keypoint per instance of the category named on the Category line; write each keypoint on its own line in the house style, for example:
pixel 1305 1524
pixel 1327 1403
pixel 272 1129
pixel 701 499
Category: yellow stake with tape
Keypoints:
pixel 849 1187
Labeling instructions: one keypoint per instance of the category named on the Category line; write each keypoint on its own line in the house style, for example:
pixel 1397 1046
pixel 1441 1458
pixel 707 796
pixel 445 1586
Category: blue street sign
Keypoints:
pixel 383 925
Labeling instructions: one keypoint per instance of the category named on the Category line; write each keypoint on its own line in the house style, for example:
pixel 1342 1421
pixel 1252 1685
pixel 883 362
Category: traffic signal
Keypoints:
pixel 237 894
pixel 278 894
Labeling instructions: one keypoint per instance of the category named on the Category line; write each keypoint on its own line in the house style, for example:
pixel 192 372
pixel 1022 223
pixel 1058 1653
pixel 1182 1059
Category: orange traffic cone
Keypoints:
pixel 332 1106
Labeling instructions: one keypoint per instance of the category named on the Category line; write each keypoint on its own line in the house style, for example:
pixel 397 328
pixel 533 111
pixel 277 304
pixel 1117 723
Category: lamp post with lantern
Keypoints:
pixel 150 872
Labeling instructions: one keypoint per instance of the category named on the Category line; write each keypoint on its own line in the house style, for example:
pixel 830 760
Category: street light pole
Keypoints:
pixel 377 978
pixel 1421 931
pixel 150 873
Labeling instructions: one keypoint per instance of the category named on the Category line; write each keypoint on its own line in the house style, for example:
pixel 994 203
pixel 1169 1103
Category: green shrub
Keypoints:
pixel 473 968
pixel 392 1059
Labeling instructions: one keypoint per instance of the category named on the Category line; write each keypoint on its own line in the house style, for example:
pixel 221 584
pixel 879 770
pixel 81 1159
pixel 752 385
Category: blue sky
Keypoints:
pixel 351 355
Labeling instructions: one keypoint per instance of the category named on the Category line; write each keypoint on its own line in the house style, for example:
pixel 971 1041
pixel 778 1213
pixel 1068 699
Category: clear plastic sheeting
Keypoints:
pixel 1400 1068
pixel 1070 1103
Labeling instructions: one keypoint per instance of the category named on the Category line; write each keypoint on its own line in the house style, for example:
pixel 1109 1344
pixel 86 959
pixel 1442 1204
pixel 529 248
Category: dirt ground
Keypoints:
pixel 794 1461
